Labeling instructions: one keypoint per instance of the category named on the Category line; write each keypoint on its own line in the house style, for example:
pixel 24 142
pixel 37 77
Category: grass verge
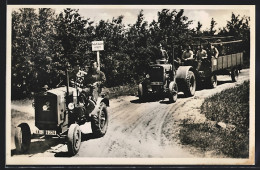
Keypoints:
pixel 231 138
pixel 126 90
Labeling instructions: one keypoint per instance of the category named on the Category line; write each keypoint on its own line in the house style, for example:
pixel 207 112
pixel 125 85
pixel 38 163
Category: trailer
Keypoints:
pixel 228 62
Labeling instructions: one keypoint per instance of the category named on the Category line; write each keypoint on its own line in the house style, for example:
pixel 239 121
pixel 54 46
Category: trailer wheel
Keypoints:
pixel 234 75
pixel 212 81
pixel 142 92
pixel 22 138
pixel 190 84
pixel 74 139
pixel 173 92
pixel 99 121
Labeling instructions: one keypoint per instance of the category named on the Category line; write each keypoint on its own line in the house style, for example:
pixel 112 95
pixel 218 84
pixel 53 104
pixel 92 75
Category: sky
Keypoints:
pixel 204 15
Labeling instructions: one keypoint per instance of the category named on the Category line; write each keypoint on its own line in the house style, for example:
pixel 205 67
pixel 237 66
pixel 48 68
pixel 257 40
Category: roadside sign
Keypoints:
pixel 97 45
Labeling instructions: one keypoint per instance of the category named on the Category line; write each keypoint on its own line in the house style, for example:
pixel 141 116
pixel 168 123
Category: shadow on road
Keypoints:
pixel 154 98
pixel 148 99
pixel 224 82
pixel 88 136
pixel 84 137
pixel 63 154
pixel 165 102
pixel 39 146
pixel 43 145
pixel 136 101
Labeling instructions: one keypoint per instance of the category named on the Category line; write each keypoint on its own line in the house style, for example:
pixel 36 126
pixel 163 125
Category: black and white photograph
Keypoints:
pixel 130 84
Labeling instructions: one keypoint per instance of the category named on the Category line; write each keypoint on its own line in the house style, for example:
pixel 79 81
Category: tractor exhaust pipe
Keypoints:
pixel 67 87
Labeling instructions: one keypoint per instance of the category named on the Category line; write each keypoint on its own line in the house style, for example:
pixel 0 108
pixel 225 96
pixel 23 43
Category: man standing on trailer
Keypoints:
pixel 213 51
pixel 201 54
pixel 187 54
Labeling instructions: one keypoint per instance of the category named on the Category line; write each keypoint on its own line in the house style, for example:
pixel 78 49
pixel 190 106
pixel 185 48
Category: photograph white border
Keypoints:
pixel 131 161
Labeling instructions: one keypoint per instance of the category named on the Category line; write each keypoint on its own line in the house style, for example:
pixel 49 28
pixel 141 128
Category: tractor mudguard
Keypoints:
pixel 106 101
pixel 181 75
pixel 99 100
pixel 182 72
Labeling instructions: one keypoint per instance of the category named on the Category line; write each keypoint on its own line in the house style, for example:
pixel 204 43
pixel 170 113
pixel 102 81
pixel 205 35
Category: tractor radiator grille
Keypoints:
pixel 157 74
pixel 46 111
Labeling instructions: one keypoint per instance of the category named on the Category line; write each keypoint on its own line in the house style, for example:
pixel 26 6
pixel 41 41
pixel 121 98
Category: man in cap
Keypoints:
pixel 77 73
pixel 213 51
pixel 164 55
pixel 201 54
pixel 94 80
pixel 187 54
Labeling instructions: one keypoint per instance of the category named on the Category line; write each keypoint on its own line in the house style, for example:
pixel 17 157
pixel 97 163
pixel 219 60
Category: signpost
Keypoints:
pixel 98 46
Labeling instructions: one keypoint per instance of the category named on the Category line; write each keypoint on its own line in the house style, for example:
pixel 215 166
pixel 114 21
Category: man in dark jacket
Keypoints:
pixel 94 80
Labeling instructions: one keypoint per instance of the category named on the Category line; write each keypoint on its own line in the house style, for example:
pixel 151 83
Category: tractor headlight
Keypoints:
pixel 71 106
pixel 147 76
pixel 44 107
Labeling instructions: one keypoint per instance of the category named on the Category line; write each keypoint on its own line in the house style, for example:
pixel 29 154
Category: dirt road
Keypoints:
pixel 137 129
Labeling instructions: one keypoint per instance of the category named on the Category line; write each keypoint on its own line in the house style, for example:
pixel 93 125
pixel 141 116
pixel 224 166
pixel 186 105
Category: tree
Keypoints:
pixel 23 50
pixel 71 33
pixel 239 28
pixel 47 42
pixel 172 30
pixel 198 28
pixel 212 30
pixel 114 62
pixel 47 49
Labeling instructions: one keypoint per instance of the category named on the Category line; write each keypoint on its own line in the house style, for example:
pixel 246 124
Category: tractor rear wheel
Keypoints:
pixel 99 121
pixel 74 139
pixel 173 92
pixel 22 138
pixel 190 84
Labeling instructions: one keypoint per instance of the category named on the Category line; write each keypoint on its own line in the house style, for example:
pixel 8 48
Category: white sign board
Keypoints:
pixel 97 45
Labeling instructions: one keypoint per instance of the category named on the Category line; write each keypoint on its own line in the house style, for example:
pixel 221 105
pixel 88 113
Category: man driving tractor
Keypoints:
pixel 93 81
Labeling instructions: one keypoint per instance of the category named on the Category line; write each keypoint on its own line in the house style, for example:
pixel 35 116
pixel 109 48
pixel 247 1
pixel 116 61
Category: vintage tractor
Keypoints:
pixel 165 81
pixel 59 113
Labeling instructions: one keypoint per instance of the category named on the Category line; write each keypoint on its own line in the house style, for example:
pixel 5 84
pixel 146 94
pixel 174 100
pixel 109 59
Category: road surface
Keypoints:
pixel 140 130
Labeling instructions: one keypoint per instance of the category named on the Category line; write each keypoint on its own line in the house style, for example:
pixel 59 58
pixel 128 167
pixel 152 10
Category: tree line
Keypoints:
pixel 43 43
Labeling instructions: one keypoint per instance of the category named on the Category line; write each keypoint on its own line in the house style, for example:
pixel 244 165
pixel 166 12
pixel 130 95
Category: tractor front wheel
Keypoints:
pixel 22 138
pixel 173 92
pixel 74 139
pixel 190 84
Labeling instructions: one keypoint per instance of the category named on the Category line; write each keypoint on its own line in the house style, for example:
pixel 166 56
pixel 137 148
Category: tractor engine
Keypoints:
pixel 159 76
pixel 51 109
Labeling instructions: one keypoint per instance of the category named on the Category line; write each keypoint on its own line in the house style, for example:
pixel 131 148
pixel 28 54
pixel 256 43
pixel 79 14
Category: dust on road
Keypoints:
pixel 139 129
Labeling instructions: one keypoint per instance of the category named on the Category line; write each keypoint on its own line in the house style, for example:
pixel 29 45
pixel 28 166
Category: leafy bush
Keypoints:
pixel 126 90
pixel 230 106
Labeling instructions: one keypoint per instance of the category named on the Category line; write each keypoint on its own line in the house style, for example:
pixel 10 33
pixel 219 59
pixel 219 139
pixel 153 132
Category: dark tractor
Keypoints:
pixel 59 113
pixel 165 81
